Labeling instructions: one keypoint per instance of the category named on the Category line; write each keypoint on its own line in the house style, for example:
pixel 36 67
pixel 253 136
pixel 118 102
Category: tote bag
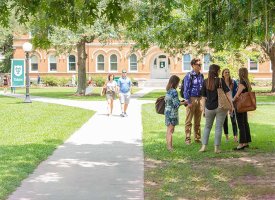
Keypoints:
pixel 223 101
pixel 246 102
pixel 160 105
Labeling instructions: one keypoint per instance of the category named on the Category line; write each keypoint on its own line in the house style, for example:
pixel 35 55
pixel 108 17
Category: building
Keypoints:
pixel 112 58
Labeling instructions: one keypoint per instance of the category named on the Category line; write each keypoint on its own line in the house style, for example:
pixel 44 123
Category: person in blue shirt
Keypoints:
pixel 193 82
pixel 232 85
pixel 124 88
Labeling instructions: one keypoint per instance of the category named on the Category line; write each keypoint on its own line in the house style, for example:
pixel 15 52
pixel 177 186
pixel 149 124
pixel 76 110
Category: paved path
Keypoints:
pixel 101 160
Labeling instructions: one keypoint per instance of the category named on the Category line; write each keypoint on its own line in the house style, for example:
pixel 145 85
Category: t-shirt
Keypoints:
pixel 111 86
pixel 124 85
pixel 211 102
pixel 245 85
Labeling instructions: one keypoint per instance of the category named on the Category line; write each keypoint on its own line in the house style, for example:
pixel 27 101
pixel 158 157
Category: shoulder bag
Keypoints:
pixel 160 105
pixel 246 102
pixel 223 101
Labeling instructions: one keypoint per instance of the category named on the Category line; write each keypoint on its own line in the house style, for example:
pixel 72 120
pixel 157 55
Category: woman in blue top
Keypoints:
pixel 232 86
pixel 172 104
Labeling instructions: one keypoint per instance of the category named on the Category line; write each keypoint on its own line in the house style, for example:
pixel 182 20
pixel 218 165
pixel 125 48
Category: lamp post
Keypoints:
pixel 27 47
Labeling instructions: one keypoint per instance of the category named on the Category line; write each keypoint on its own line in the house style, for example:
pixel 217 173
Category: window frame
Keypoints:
pixel 203 65
pixel 129 63
pixel 30 61
pixel 249 65
pixel 183 62
pixel 49 64
pixel 110 63
pixel 68 63
pixel 97 70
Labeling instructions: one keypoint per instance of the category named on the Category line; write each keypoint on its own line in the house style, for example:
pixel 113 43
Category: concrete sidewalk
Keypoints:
pixel 102 160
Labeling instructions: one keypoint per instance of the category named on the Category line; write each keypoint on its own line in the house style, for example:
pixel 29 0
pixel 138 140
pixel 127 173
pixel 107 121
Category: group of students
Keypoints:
pixel 201 99
pixel 122 89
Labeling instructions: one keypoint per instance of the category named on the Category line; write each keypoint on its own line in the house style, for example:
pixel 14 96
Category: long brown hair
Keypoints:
pixel 230 79
pixel 243 75
pixel 212 74
pixel 173 82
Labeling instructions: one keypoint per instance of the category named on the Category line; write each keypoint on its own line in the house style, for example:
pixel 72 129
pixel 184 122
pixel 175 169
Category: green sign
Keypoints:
pixel 17 73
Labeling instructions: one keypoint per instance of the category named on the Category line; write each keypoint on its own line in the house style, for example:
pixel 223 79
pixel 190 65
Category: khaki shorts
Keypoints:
pixel 124 97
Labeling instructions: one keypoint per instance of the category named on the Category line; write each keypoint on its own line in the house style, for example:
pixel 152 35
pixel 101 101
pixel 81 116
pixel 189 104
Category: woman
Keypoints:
pixel 172 104
pixel 244 130
pixel 232 85
pixel 111 90
pixel 6 83
pixel 210 104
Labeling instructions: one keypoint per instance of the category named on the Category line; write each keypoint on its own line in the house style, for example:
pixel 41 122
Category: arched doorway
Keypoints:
pixel 160 67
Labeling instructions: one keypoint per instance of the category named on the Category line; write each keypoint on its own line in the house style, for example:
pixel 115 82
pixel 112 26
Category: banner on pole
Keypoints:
pixel 17 73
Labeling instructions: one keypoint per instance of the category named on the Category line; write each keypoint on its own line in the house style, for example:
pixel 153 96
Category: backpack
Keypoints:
pixel 160 105
pixel 182 83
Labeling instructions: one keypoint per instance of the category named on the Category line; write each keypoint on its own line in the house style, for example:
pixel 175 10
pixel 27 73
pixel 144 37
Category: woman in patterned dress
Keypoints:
pixel 172 104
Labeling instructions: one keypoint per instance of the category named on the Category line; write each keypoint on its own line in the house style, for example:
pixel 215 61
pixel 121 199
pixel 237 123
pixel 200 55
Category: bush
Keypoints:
pixel 99 81
pixel 50 81
pixel 63 81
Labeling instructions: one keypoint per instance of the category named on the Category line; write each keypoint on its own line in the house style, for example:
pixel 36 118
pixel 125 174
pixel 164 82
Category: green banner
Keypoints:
pixel 17 73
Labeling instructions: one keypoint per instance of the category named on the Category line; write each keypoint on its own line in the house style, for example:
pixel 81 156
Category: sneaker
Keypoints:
pixel 122 115
pixel 125 115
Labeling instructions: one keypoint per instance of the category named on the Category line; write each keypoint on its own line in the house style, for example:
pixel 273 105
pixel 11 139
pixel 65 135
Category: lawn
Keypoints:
pixel 29 134
pixel 186 173
pixel 65 93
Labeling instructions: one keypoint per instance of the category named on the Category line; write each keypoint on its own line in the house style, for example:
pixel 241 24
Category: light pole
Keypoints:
pixel 27 47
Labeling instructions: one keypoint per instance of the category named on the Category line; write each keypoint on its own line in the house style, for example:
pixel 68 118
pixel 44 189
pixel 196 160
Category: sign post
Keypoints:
pixel 17 73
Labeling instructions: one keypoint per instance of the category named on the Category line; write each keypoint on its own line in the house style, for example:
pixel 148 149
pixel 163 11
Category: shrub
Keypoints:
pixel 63 81
pixel 99 81
pixel 50 81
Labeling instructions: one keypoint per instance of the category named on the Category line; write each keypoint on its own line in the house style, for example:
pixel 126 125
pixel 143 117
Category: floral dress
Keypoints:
pixel 172 104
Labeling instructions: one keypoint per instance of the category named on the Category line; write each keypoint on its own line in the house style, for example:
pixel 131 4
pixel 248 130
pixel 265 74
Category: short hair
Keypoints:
pixel 194 61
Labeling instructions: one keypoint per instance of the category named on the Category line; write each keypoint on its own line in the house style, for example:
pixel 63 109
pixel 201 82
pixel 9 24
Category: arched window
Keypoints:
pixel 100 62
pixel 72 63
pixel 206 61
pixel 53 63
pixel 34 63
pixel 133 62
pixel 186 62
pixel 113 62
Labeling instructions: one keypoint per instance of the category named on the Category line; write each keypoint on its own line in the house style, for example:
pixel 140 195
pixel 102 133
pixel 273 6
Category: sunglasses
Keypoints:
pixel 199 65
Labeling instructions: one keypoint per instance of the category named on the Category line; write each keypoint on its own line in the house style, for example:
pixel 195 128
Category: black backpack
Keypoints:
pixel 182 83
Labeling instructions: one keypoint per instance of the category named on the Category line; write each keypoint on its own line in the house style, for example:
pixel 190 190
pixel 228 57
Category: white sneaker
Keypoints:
pixel 122 115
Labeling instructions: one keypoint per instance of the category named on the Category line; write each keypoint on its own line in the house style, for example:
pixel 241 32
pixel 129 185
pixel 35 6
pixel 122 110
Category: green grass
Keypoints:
pixel 29 134
pixel 65 93
pixel 187 174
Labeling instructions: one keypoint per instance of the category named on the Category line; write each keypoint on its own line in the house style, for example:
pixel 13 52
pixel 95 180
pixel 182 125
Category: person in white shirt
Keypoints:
pixel 111 90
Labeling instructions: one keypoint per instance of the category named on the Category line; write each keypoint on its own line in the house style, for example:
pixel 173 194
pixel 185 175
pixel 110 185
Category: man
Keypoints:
pixel 124 88
pixel 193 82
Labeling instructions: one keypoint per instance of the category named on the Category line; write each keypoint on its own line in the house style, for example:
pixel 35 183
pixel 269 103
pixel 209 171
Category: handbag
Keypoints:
pixel 103 91
pixel 223 101
pixel 160 105
pixel 246 102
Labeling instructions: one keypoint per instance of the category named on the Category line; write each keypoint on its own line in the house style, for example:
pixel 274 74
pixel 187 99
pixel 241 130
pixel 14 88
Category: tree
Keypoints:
pixel 73 15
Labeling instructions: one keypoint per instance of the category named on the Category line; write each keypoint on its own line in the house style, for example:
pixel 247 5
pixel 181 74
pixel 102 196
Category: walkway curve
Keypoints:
pixel 102 160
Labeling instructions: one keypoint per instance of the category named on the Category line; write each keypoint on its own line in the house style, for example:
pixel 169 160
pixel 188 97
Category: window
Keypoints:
pixel 34 63
pixel 253 65
pixel 206 61
pixel 113 62
pixel 100 62
pixel 53 64
pixel 133 62
pixel 186 62
pixel 72 63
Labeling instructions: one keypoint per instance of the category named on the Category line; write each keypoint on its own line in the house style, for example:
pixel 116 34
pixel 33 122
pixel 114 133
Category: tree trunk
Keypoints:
pixel 82 56
pixel 272 58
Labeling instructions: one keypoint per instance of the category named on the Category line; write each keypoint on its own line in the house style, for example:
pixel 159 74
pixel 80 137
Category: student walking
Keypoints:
pixel 211 109
pixel 172 104
pixel 6 83
pixel 111 90
pixel 244 130
pixel 232 85
pixel 193 82
pixel 124 88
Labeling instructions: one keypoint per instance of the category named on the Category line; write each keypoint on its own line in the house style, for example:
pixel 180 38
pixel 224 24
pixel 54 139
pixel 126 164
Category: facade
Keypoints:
pixel 112 58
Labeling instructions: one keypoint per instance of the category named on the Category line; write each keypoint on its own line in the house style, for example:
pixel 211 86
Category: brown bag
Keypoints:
pixel 224 102
pixel 160 105
pixel 103 91
pixel 246 102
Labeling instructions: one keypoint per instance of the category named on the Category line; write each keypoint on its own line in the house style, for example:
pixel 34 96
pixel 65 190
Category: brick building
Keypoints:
pixel 104 59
